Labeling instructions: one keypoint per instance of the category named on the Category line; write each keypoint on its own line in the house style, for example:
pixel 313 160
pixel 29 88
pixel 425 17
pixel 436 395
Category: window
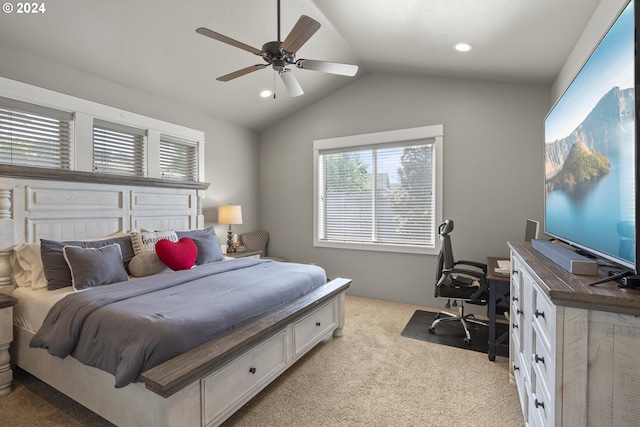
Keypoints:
pixel 178 158
pixel 118 149
pixel 32 135
pixel 379 191
pixel 43 128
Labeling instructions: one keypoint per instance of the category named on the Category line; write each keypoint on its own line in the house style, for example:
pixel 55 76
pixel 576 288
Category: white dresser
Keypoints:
pixel 574 348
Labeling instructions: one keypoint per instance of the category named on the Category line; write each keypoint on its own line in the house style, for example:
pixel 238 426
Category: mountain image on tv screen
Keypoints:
pixel 590 151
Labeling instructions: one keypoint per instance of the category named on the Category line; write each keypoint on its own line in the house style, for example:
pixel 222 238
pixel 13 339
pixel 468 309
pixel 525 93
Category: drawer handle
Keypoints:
pixel 252 370
pixel 515 272
pixel 515 326
pixel 514 299
pixel 539 314
pixel 516 367
pixel 539 359
pixel 539 404
pixel 317 323
pixel 518 311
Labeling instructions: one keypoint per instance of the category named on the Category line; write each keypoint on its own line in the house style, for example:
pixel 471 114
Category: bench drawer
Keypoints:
pixel 312 328
pixel 235 383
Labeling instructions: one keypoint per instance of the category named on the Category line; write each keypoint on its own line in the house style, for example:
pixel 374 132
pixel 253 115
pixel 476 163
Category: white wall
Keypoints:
pixel 231 152
pixel 493 173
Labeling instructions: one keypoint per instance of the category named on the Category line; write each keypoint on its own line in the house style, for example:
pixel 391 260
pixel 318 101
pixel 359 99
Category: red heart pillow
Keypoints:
pixel 180 255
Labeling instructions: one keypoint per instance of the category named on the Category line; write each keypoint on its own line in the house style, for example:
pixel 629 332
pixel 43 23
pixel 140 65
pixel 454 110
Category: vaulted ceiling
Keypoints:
pixel 151 45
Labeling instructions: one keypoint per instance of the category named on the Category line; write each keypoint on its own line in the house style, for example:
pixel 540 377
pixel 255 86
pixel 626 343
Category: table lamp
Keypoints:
pixel 230 214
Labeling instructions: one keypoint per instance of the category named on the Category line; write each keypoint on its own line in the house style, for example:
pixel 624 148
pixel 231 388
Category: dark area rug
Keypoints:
pixel 452 333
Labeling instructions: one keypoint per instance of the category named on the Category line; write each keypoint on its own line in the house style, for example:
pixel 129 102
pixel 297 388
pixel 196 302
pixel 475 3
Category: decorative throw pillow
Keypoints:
pixel 146 264
pixel 178 255
pixel 91 267
pixel 145 241
pixel 27 266
pixel 56 269
pixel 207 243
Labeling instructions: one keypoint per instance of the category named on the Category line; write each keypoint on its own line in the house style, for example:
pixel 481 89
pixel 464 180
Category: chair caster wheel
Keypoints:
pixel 467 341
pixel 437 316
pixel 432 329
pixel 472 316
pixel 492 357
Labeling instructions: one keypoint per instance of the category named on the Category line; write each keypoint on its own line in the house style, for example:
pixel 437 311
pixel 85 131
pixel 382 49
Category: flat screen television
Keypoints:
pixel 591 159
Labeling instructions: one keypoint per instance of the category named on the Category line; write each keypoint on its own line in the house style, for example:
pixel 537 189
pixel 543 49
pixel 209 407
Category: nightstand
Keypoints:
pixel 247 254
pixel 6 336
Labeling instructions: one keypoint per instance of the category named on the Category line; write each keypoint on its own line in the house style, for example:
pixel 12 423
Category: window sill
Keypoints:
pixel 377 247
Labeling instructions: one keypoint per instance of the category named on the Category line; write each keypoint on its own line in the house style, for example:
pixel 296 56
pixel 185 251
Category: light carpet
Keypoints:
pixel 372 376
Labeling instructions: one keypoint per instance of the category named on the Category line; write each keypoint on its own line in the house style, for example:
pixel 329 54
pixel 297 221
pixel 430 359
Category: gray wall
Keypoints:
pixel 493 179
pixel 231 152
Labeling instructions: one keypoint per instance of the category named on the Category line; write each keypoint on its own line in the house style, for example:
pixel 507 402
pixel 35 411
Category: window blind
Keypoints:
pixel 118 149
pixel 377 195
pixel 178 158
pixel 34 135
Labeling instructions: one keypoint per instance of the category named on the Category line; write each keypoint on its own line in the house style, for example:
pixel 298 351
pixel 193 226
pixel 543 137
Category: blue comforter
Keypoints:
pixel 129 327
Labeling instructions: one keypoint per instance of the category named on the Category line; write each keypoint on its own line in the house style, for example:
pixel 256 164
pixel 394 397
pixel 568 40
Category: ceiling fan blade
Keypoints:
pixel 241 73
pixel 224 39
pixel 291 82
pixel 328 67
pixel 300 33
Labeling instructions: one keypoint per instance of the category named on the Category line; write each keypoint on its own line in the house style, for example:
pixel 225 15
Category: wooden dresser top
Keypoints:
pixel 566 289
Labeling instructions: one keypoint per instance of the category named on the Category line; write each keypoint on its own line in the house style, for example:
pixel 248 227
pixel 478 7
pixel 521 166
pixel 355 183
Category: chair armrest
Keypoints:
pixel 477 274
pixel 475 264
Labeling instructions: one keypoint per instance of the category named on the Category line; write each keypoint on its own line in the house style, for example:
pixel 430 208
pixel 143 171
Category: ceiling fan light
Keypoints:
pixel 265 93
pixel 291 83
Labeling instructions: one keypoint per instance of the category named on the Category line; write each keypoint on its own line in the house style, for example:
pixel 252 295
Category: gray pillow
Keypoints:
pixel 56 269
pixel 207 243
pixel 91 267
pixel 146 264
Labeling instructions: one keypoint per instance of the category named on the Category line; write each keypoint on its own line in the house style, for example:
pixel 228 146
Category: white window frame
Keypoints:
pixel 48 130
pixel 190 173
pixel 434 132
pixel 129 141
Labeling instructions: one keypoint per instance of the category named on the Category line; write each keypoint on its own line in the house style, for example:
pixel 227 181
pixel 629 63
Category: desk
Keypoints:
pixel 498 296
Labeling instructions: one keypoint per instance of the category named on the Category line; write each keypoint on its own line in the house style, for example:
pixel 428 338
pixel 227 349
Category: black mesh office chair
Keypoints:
pixel 461 281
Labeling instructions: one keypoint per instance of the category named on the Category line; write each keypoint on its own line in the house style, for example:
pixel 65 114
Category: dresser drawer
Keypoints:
pixel 544 317
pixel 537 415
pixel 311 328
pixel 250 371
pixel 541 410
pixel 543 359
pixel 522 382
pixel 517 323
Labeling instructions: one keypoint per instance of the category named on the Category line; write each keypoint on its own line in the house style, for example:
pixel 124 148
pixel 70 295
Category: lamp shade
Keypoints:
pixel 230 214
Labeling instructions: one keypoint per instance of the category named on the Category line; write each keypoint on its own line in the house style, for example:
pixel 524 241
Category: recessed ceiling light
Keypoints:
pixel 265 93
pixel 462 47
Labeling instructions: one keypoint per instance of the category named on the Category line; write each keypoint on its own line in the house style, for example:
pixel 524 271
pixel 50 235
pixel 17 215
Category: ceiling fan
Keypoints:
pixel 280 54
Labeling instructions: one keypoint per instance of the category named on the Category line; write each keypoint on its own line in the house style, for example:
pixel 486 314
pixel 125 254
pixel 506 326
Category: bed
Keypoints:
pixel 204 383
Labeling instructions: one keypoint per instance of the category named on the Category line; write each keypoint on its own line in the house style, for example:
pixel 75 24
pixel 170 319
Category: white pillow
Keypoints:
pixel 146 241
pixel 27 266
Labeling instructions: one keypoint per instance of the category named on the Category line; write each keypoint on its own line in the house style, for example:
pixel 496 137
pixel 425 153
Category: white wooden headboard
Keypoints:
pixel 31 209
